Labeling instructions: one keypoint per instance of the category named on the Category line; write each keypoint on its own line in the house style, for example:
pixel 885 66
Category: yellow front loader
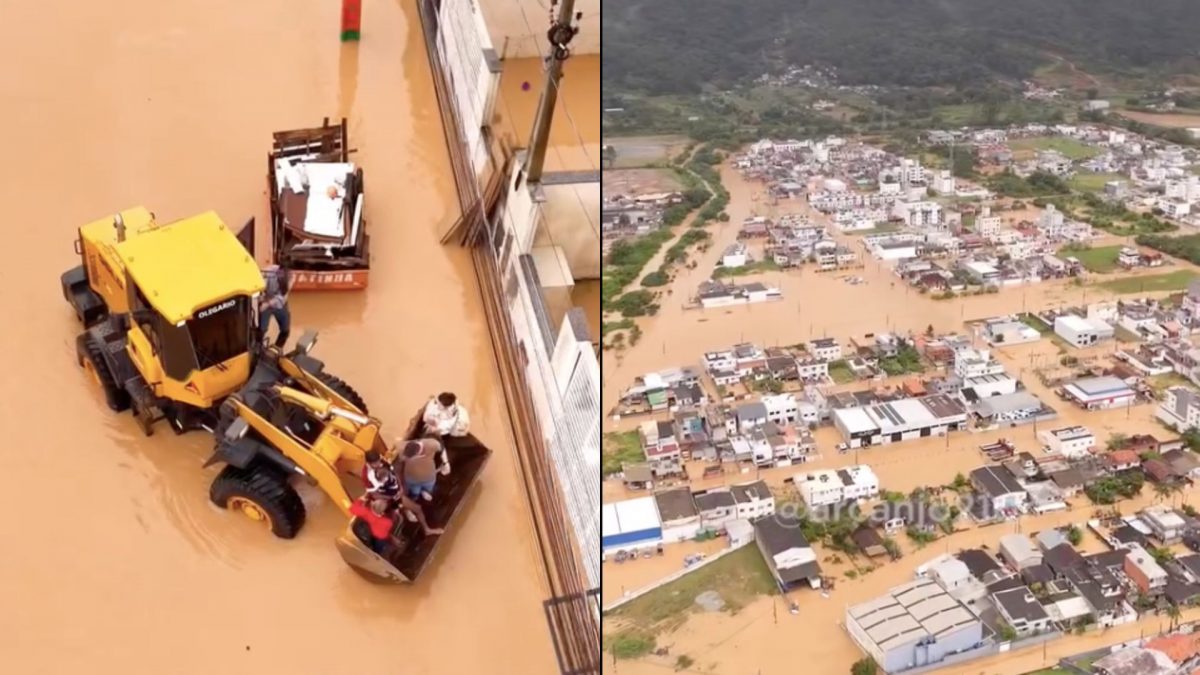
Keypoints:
pixel 169 334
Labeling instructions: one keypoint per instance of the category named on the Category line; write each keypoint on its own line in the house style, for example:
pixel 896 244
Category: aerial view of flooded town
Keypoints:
pixel 901 370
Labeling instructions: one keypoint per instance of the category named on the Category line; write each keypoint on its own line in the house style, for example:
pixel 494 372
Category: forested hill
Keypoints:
pixel 676 46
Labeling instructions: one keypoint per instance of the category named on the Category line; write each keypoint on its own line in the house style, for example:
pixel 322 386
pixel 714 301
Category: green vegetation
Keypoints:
pixel 1036 324
pixel 1109 489
pixel 768 385
pixel 840 372
pixel 625 262
pixel 1163 555
pixel 635 303
pixel 1101 260
pixel 620 448
pixel 1074 535
pixel 906 360
pixel 864 666
pixel 749 268
pixel 1186 247
pixel 613 326
pixel 1170 281
pixel 678 251
pixel 1069 147
pixel 739 577
pixel 655 279
pixel 683 662
pixel 1038 184
pixel 1112 217
pixel 1005 632
pixel 630 644
pixel 1086 181
pixel 968 43
pixel 920 537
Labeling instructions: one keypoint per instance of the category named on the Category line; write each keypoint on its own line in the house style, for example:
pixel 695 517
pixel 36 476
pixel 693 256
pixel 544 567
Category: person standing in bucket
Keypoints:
pixel 274 303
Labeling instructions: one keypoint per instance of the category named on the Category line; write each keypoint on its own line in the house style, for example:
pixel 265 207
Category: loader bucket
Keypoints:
pixel 367 562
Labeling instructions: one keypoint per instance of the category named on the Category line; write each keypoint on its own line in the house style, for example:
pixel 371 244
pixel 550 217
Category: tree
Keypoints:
pixel 1117 441
pixel 1074 535
pixel 1093 93
pixel 960 481
pixel 1162 491
pixel 1173 613
pixel 864 666
pixel 1006 632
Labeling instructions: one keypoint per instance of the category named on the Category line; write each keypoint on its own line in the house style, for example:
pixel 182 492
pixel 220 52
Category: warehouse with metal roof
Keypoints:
pixel 899 420
pixel 630 525
pixel 914 625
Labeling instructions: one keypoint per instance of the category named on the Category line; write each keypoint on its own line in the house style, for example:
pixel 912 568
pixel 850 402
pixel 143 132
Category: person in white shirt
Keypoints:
pixel 446 418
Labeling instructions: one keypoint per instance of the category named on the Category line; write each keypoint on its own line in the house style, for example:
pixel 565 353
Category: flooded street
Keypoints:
pixel 764 637
pixel 111 536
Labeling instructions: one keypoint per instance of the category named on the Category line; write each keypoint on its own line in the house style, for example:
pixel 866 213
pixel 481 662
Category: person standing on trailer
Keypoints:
pixel 274 303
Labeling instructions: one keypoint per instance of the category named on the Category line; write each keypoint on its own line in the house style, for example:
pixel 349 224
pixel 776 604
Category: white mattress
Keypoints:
pixel 324 216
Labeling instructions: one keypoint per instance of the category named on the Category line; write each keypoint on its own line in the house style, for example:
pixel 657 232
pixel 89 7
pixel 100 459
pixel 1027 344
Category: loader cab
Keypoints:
pixel 190 288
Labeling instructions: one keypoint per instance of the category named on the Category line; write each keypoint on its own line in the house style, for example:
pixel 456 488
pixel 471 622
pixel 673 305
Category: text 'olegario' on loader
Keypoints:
pixel 169 335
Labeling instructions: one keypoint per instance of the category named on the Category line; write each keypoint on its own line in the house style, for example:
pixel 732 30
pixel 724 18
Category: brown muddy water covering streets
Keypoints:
pixel 763 638
pixel 115 558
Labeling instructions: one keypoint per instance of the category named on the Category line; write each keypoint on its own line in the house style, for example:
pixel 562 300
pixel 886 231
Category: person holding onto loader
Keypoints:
pixel 418 466
pixel 379 478
pixel 376 517
pixel 444 417
pixel 274 303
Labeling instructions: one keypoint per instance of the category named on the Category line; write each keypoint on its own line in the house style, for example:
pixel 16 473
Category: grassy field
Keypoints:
pixel 640 181
pixel 1037 324
pixel 1171 281
pixel 1069 147
pixel 637 151
pixel 1092 182
pixel 1102 259
pixel 739 577
pixel 620 448
pixel 841 373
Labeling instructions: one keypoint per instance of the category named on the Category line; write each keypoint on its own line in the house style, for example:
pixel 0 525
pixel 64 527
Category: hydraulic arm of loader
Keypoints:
pixel 342 441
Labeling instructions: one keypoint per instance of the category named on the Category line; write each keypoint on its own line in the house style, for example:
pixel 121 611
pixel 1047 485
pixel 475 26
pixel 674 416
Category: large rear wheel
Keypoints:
pixel 91 357
pixel 263 494
pixel 344 390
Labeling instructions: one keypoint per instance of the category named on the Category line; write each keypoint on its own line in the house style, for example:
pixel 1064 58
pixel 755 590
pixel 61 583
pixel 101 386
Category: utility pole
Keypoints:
pixel 559 35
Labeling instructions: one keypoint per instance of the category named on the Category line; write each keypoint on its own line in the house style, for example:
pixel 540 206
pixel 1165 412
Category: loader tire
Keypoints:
pixel 344 390
pixel 262 493
pixel 91 358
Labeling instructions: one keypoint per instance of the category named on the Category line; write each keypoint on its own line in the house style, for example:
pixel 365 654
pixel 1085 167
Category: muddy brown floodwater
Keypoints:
pixel 114 557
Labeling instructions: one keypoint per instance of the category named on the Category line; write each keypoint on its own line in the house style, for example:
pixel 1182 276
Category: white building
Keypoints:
pixel 782 409
pixel 1082 332
pixel 899 420
pixel 630 525
pixel 1022 611
pixel 825 349
pixel 1180 409
pixel 914 625
pixel 734 256
pixel 944 183
pixel 753 500
pixel 1009 332
pixel 918 213
pixel 1070 442
pixel 828 486
pixel 987 225
pixel 970 362
pixel 715 294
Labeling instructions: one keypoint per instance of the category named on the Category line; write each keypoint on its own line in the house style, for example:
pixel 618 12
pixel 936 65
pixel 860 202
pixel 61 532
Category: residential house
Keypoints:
pixel 1019 552
pixel 1165 524
pixel 751 416
pixel 998 486
pixel 1183 463
pixel 1070 442
pixel 825 349
pixel 827 487
pixel 868 541
pixel 753 500
pixel 1122 460
pixel 896 516
pixel 981 564
pixel 1069 481
pixel 1159 471
pixel 1062 558
pixel 787 553
pixel 662 449
pixel 782 409
pixel 637 476
pixel 1180 408
pixel 717 508
pixel 1022 611
pixel 1141 568
pixel 678 514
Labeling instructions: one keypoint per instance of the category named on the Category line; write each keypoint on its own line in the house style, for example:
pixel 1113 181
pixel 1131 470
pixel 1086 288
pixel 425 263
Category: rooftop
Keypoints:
pixel 1019 603
pixel 995 481
pixel 910 612
pixel 675 504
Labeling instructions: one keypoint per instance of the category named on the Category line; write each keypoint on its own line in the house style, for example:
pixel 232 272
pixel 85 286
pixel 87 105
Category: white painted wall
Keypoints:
pixel 463 40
